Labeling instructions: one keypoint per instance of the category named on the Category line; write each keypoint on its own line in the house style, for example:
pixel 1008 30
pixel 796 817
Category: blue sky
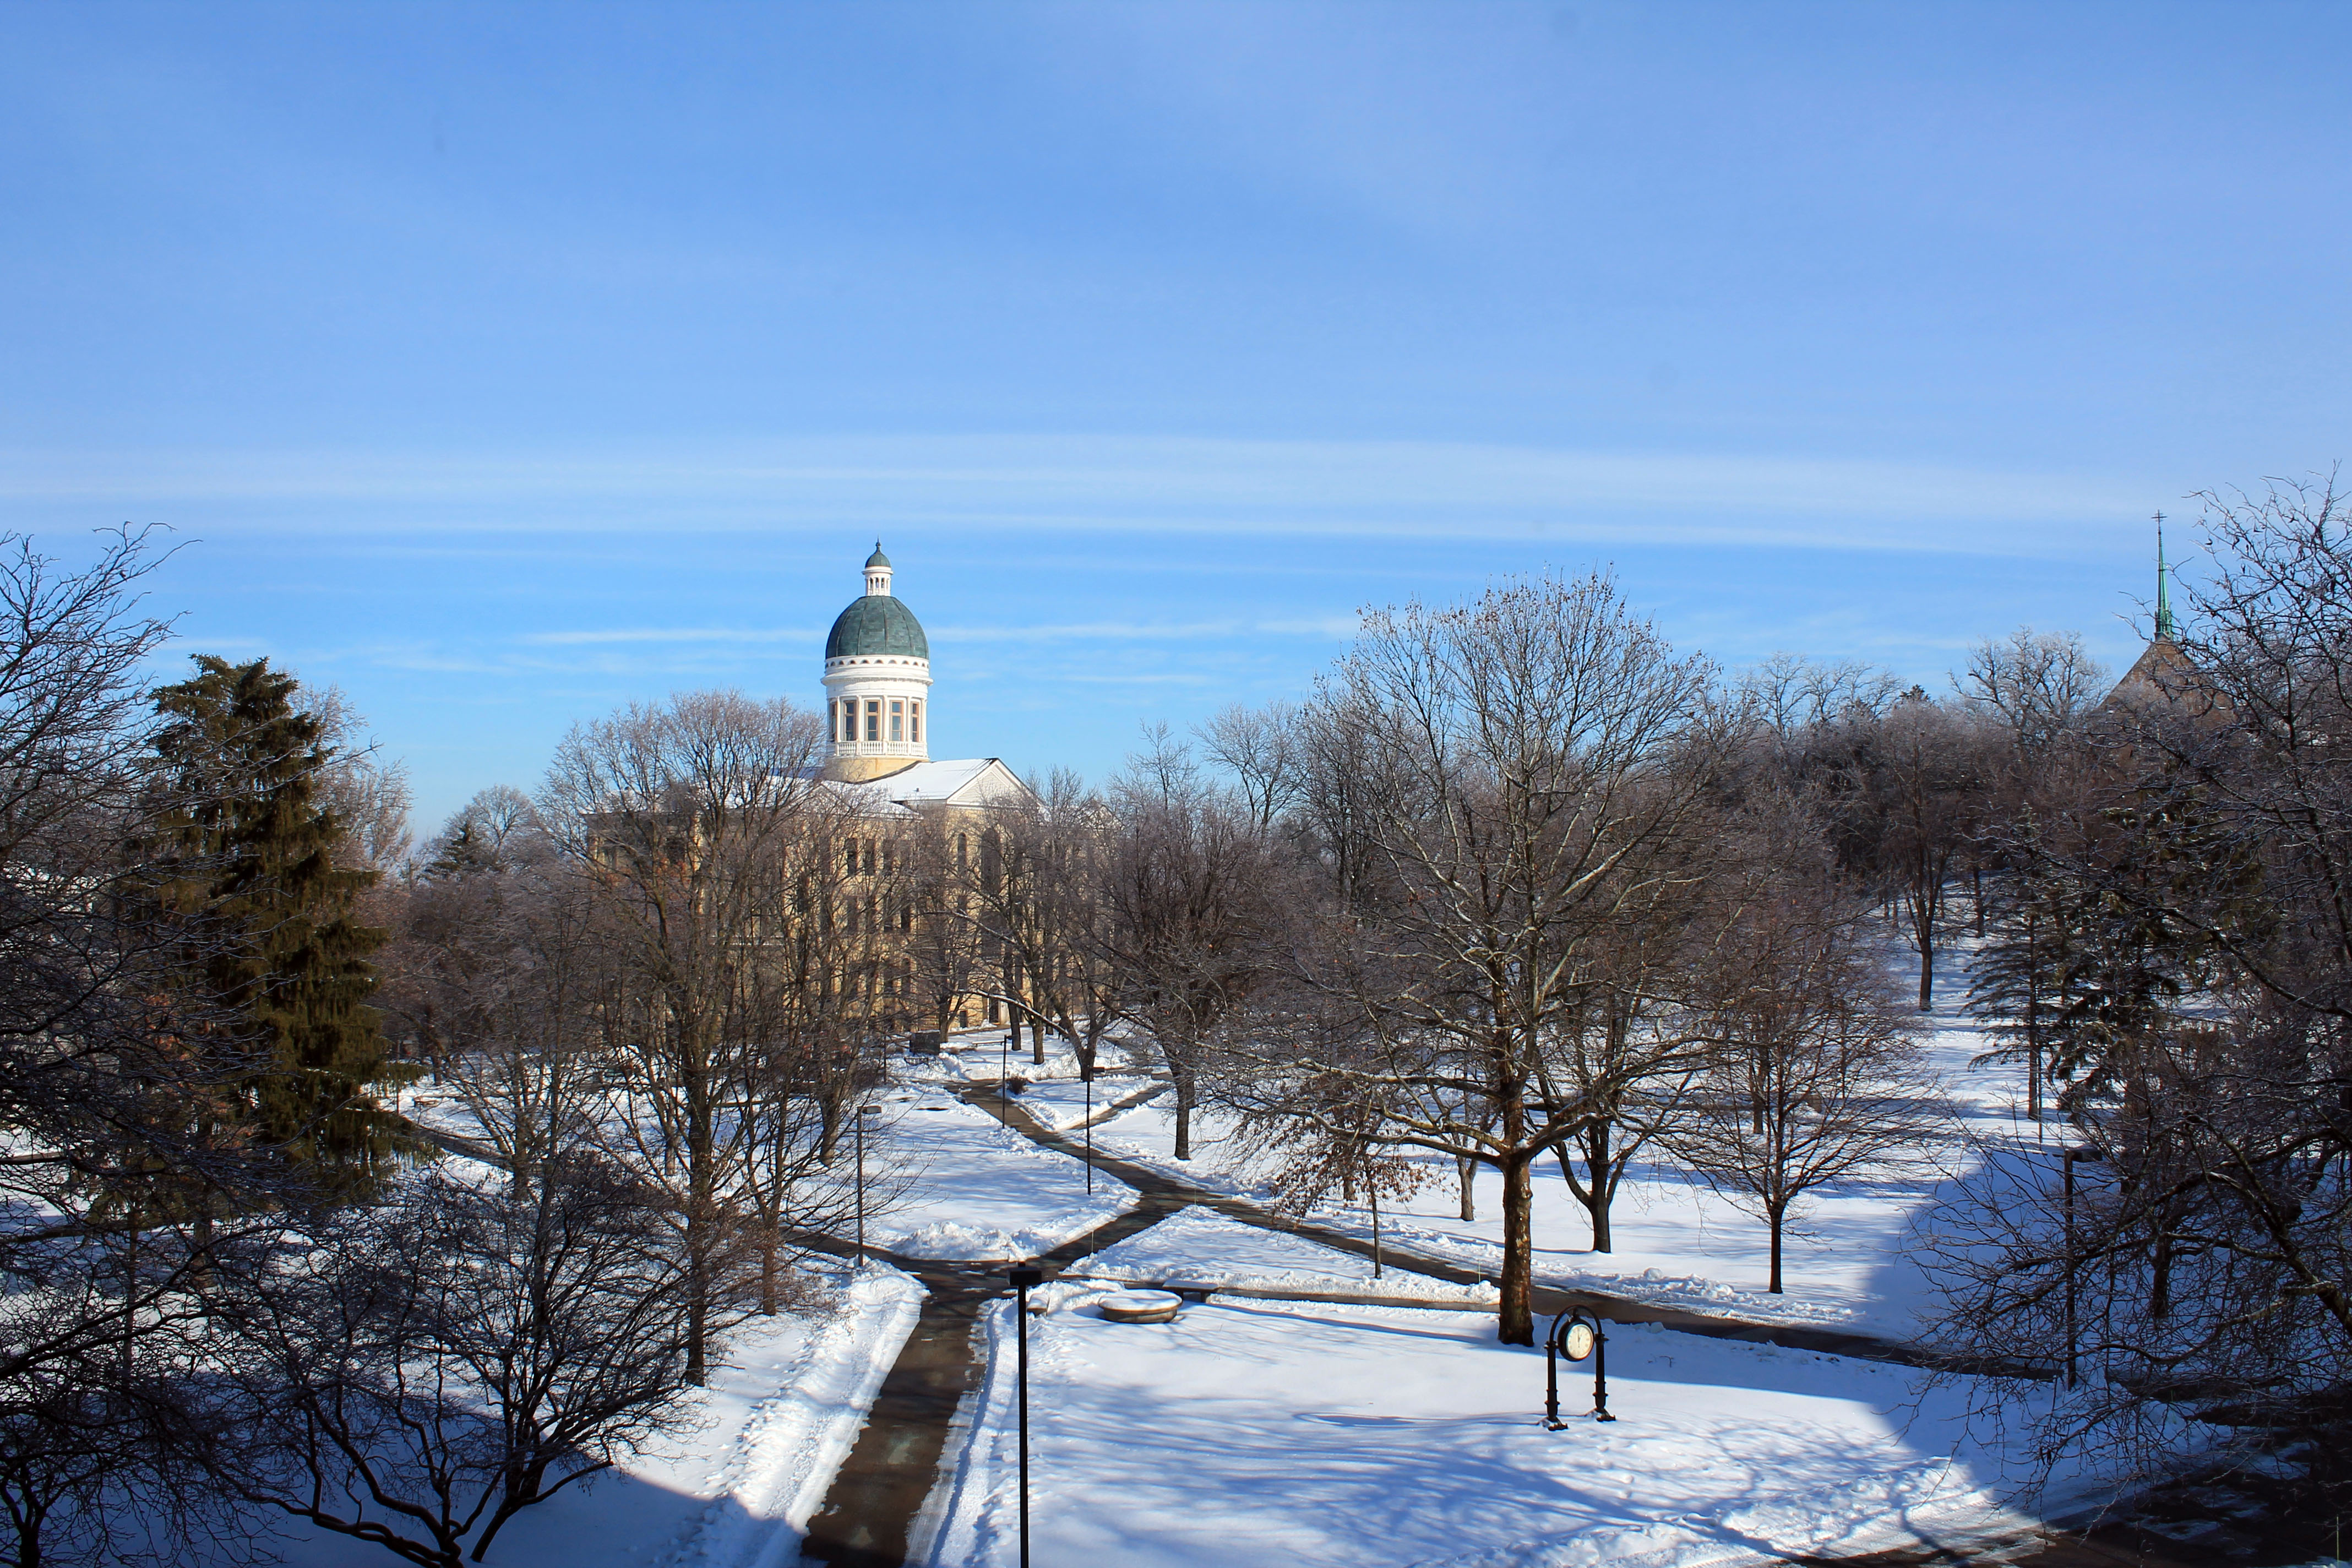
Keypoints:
pixel 506 364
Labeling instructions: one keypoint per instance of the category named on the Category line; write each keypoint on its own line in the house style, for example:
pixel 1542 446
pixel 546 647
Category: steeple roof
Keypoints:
pixel 2165 629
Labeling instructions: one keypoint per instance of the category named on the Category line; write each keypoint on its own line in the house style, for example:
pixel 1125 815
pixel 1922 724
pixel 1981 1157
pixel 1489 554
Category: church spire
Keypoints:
pixel 2164 624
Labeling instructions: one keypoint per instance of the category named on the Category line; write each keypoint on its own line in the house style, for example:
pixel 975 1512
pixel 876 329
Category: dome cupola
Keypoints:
pixel 876 623
pixel 877 678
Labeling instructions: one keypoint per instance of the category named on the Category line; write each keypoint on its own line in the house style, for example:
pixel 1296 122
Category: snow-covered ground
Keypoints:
pixel 1253 1431
pixel 737 1489
pixel 973 1188
pixel 1196 1245
pixel 1848 1258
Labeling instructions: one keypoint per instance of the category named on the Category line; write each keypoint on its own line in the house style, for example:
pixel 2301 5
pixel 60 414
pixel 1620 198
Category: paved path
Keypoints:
pixel 1178 1193
pixel 869 1514
pixel 869 1510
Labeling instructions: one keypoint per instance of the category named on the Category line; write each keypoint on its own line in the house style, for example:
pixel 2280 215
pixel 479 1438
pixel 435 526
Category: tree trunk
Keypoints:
pixel 1596 1182
pixel 1772 1218
pixel 1927 968
pixel 1468 1171
pixel 1184 1113
pixel 697 1303
pixel 1037 1041
pixel 1515 1318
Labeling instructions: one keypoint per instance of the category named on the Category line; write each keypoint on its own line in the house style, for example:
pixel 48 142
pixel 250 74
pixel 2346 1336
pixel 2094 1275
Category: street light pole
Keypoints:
pixel 859 1122
pixel 1022 1279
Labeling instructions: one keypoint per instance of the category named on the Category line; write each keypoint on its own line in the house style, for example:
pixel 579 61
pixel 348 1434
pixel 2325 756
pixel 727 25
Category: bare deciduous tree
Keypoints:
pixel 417 1374
pixel 1817 1073
pixel 1528 761
pixel 681 819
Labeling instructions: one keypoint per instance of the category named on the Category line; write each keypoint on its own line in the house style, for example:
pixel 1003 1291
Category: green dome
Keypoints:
pixel 877 624
pixel 877 557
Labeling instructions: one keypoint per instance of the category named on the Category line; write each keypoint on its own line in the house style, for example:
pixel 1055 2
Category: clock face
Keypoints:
pixel 1578 1340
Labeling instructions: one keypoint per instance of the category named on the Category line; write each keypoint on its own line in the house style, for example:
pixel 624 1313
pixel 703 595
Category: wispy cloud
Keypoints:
pixel 1145 631
pixel 1111 483
pixel 728 634
pixel 1074 631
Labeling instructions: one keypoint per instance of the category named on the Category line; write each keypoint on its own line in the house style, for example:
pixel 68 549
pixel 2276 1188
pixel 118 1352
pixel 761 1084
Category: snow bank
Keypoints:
pixel 947 1240
pixel 975 1190
pixel 1061 1105
pixel 1200 1247
pixel 783 1457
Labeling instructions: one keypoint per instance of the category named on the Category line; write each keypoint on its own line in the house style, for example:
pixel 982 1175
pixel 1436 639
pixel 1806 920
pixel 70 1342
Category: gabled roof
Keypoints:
pixel 970 782
pixel 2162 679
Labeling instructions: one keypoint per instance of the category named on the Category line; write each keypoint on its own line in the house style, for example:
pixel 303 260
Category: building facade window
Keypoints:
pixel 831 717
pixel 897 719
pixel 915 722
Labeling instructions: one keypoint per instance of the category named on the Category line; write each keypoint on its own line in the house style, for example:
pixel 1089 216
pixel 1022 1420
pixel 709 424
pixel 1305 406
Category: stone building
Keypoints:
pixel 906 806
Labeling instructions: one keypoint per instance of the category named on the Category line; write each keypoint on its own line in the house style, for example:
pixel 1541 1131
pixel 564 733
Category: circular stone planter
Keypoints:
pixel 1141 1307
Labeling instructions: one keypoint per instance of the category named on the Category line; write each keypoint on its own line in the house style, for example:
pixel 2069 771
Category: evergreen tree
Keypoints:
pixel 2033 947
pixel 251 863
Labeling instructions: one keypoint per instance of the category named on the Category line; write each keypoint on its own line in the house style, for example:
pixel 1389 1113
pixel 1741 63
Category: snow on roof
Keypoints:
pixel 967 781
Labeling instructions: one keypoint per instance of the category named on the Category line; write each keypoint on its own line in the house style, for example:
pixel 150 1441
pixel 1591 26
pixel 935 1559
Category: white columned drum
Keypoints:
pixel 877 683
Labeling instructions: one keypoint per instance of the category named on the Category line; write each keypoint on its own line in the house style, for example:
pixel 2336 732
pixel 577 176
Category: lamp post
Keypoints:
pixel 1575 1334
pixel 859 1123
pixel 2071 1154
pixel 1022 1279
